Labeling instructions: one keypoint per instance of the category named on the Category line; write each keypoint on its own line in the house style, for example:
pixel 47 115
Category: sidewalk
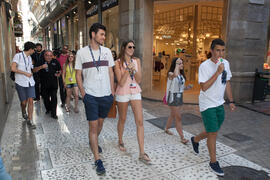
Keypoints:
pixel 59 149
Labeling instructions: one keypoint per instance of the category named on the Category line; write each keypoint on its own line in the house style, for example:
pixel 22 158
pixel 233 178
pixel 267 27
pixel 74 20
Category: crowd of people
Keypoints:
pixel 100 76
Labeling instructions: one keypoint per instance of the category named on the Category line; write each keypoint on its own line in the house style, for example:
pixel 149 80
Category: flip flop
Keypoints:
pixel 184 141
pixel 122 147
pixel 146 161
pixel 168 132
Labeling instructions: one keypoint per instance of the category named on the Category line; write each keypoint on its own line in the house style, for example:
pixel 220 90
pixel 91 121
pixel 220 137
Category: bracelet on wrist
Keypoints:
pixel 231 102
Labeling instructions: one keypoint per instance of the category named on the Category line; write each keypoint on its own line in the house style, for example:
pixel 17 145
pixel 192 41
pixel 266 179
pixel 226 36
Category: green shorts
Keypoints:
pixel 213 118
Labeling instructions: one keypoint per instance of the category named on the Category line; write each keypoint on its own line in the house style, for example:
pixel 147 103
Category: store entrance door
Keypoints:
pixel 183 30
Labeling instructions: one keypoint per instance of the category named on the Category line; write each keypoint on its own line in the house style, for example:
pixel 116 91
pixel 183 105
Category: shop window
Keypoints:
pixel 174 29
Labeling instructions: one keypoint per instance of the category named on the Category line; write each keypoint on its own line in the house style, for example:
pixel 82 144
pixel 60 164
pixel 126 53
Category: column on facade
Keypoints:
pixel 83 35
pixel 246 44
pixel 126 20
pixel 51 25
pixel 143 36
pixel 136 22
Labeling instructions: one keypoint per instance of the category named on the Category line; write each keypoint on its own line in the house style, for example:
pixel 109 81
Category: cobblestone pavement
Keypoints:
pixel 59 149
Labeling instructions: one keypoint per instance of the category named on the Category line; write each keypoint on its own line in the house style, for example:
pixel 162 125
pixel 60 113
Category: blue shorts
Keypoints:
pixel 97 107
pixel 72 85
pixel 25 92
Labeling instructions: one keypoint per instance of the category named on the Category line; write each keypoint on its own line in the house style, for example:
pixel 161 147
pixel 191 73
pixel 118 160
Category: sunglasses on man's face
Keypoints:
pixel 130 47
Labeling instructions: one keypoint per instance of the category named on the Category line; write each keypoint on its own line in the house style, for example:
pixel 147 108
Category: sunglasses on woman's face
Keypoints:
pixel 129 47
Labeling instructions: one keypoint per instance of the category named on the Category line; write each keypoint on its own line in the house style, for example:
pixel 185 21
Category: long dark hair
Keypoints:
pixel 122 51
pixel 73 62
pixel 182 72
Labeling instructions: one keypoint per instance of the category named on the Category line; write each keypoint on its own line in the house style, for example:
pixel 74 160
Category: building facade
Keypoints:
pixel 7 51
pixel 160 29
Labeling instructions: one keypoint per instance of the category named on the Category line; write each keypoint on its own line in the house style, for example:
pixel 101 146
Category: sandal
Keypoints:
pixel 168 132
pixel 184 141
pixel 122 147
pixel 67 109
pixel 145 159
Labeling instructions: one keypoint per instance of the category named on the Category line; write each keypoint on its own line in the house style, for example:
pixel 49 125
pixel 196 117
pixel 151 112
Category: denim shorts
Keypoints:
pixel 72 85
pixel 97 107
pixel 25 92
pixel 177 99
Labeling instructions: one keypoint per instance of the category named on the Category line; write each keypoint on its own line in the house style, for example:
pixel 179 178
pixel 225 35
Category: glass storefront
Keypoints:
pixel 188 26
pixel 110 18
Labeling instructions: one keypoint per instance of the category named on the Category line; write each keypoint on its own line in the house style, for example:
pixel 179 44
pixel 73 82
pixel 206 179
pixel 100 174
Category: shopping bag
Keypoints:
pixel 165 98
pixel 113 111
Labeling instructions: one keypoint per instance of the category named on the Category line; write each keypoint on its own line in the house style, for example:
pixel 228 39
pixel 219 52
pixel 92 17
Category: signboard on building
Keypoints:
pixel 92 9
pixel 257 2
pixel 18 26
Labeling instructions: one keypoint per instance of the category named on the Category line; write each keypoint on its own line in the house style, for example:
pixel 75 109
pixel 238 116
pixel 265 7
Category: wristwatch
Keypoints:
pixel 231 102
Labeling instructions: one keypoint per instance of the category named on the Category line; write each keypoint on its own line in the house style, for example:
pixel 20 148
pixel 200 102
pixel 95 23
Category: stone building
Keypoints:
pixel 8 9
pixel 160 28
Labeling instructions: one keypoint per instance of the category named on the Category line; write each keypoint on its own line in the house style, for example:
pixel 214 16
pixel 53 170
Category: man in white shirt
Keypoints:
pixel 94 63
pixel 25 85
pixel 214 79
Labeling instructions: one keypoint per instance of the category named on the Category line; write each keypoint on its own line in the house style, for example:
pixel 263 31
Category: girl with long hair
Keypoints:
pixel 128 74
pixel 69 79
pixel 174 96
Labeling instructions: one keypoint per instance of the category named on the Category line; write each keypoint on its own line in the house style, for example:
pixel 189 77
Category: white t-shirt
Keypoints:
pixel 176 85
pixel 214 96
pixel 24 63
pixel 96 82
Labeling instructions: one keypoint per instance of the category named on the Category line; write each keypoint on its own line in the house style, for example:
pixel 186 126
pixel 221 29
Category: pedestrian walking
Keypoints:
pixel 49 71
pixel 94 63
pixel 62 59
pixel 37 56
pixel 128 73
pixel 24 82
pixel 70 83
pixel 174 96
pixel 214 79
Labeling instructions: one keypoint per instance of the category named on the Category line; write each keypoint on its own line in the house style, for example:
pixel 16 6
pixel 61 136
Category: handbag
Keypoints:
pixel 12 75
pixel 164 100
pixel 112 113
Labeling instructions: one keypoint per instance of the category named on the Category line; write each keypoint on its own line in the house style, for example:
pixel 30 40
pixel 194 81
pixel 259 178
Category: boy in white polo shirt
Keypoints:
pixel 24 82
pixel 214 79
pixel 94 63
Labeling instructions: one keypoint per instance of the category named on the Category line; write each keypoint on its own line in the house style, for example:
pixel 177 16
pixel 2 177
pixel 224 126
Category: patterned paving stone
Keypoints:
pixel 125 167
pixel 70 155
pixel 59 149
pixel 78 172
pixel 236 160
pixel 167 176
pixel 197 172
pixel 165 161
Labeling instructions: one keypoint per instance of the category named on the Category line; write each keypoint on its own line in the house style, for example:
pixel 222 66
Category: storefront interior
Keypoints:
pixel 184 30
pixel 110 20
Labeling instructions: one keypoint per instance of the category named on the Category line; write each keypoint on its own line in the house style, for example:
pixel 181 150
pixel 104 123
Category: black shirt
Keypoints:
pixel 47 77
pixel 37 58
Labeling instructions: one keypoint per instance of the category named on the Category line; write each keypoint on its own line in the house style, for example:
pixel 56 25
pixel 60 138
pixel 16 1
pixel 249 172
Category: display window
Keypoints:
pixel 110 20
pixel 184 30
